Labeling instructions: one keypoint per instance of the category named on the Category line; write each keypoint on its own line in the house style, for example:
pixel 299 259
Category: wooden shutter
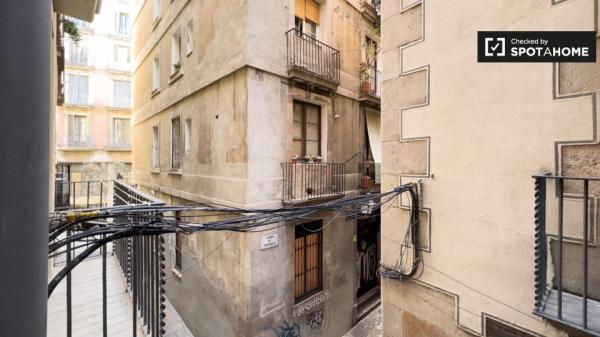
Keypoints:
pixel 308 9
pixel 300 8
pixel 312 11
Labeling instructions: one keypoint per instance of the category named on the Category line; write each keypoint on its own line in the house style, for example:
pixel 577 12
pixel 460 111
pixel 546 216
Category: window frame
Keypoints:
pixel 303 122
pixel 302 231
pixel 187 135
pixel 189 37
pixel 155 159
pixel 172 147
pixel 156 74
pixel 121 142
pixel 176 52
pixel 178 256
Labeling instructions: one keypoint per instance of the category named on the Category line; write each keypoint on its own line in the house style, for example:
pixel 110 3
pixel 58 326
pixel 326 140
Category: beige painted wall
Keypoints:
pixel 475 133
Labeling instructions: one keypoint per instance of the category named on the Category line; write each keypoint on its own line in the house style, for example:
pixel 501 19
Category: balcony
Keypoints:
pixel 371 9
pixel 370 85
pixel 370 177
pixel 79 98
pixel 307 181
pixel 567 269
pixel 121 102
pixel 312 62
pixel 119 144
pixel 73 142
pixel 78 60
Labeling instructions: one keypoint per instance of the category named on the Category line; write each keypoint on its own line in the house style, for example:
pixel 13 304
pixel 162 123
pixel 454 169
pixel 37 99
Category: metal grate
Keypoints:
pixel 308 260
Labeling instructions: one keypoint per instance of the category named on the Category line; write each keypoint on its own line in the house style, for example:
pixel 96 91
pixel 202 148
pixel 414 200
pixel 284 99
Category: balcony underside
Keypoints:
pixel 572 312
pixel 369 100
pixel 369 12
pixel 300 75
pixel 307 200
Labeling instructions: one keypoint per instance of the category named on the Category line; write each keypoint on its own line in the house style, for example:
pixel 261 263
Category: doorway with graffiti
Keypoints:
pixel 367 263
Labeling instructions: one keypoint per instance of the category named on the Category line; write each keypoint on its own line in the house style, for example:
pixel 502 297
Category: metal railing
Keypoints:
pixel 82 194
pixel 79 98
pixel 377 5
pixel 121 101
pixel 78 59
pixel 311 55
pixel 370 81
pixel 141 259
pixel 565 299
pixel 306 181
pixel 369 176
pixel 76 142
pixel 119 144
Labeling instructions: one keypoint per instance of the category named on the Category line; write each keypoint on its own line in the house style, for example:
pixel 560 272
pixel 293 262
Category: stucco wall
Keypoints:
pixel 484 130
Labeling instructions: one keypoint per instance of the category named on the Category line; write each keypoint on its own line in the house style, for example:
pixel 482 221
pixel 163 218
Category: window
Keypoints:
pixel 77 129
pixel 189 37
pixel 121 134
pixel 156 5
pixel 122 54
pixel 121 94
pixel 307 17
pixel 307 129
pixel 308 260
pixel 176 52
pixel 371 51
pixel 187 136
pixel 178 246
pixel 175 143
pixel 78 54
pixel 155 148
pixel 78 92
pixel 155 74
pixel 122 24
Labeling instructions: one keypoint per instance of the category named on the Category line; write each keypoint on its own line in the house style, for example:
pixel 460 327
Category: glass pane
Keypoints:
pixel 312 114
pixel 297 111
pixel 297 148
pixel 312 148
pixel 312 132
pixel 297 130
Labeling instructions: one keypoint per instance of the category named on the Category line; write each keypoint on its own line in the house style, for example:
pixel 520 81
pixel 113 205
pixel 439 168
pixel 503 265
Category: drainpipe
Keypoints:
pixel 25 112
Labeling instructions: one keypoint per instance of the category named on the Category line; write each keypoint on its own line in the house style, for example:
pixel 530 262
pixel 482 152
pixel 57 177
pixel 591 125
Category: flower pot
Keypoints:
pixel 365 87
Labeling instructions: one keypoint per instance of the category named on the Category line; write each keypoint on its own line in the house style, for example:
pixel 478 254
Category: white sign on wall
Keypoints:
pixel 269 241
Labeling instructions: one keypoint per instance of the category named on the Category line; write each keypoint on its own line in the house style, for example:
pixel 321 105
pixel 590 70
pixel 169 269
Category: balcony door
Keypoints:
pixel 77 130
pixel 307 129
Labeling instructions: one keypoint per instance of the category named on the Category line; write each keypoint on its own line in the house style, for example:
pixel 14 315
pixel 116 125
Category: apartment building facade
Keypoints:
pixel 262 104
pixel 504 254
pixel 93 123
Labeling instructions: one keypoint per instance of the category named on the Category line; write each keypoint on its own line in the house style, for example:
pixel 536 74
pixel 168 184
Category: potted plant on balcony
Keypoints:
pixel 296 159
pixel 365 79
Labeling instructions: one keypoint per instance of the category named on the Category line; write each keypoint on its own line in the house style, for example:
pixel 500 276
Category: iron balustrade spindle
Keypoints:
pixel 561 303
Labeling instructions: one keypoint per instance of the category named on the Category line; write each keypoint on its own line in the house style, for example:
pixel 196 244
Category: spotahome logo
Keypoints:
pixel 536 46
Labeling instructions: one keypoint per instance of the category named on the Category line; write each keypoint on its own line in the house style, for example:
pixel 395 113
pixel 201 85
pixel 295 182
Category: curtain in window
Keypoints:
pixel 77 130
pixel 373 129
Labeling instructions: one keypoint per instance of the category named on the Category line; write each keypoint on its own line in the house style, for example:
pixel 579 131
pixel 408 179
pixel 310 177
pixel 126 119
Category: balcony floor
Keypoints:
pixel 572 310
pixel 87 304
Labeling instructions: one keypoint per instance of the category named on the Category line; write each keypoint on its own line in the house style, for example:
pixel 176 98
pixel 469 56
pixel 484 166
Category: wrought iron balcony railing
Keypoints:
pixel 121 102
pixel 73 142
pixel 78 98
pixel 313 56
pixel 370 79
pixel 567 290
pixel 307 181
pixel 119 144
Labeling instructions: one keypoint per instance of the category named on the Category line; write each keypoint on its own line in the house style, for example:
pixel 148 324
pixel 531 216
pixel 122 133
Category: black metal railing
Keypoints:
pixel 82 194
pixel 305 181
pixel 76 141
pixel 370 80
pixel 369 174
pixel 311 55
pixel 566 298
pixel 142 261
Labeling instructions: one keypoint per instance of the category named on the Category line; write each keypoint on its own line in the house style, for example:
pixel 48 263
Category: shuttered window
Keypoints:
pixel 308 10
pixel 308 260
